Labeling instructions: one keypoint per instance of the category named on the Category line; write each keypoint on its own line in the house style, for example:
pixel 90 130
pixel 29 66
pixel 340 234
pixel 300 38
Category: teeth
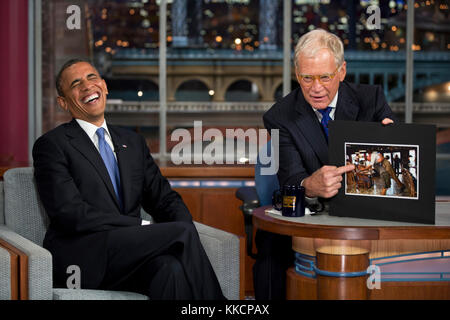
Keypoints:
pixel 90 98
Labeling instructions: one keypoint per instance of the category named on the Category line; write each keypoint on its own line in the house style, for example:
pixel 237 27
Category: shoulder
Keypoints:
pixel 285 107
pixel 53 141
pixel 55 134
pixel 360 91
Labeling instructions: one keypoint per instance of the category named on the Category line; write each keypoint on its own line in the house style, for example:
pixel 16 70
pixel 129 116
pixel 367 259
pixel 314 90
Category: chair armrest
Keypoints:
pixel 40 278
pixel 5 275
pixel 224 253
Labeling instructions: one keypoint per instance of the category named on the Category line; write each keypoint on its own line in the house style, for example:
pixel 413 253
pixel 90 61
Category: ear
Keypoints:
pixel 343 71
pixel 106 87
pixel 297 75
pixel 62 103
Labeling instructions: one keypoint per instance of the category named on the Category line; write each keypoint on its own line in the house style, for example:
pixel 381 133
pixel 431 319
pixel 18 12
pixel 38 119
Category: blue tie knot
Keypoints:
pixel 101 133
pixel 325 112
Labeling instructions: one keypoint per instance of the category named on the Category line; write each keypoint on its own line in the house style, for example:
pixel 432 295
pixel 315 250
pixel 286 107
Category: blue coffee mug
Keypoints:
pixel 290 200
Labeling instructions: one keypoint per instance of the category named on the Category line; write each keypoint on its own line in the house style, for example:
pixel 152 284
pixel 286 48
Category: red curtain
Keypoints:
pixel 14 80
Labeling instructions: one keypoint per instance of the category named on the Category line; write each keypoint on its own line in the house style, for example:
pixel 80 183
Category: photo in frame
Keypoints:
pixel 394 175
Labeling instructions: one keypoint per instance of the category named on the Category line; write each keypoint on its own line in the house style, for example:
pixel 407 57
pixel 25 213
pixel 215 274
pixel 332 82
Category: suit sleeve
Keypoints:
pixel 291 168
pixel 61 198
pixel 159 199
pixel 382 109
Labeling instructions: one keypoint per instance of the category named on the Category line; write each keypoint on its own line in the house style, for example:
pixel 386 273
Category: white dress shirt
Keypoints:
pixel 333 108
pixel 91 130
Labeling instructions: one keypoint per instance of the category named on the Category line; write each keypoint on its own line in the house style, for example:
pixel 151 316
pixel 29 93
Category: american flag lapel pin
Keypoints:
pixel 124 146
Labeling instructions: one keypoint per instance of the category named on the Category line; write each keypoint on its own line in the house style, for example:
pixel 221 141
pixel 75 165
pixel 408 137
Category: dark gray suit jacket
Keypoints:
pixel 78 196
pixel 303 146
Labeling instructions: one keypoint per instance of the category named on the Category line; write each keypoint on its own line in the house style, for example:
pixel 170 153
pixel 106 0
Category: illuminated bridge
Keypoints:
pixel 219 69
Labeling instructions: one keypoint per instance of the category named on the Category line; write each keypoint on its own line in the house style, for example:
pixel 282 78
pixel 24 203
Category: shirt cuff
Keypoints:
pixel 309 200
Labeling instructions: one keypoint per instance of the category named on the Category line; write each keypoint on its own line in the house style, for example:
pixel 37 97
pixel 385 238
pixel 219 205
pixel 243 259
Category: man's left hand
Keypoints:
pixel 386 121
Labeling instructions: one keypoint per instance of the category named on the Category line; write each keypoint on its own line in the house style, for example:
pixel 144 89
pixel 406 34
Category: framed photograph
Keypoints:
pixel 394 175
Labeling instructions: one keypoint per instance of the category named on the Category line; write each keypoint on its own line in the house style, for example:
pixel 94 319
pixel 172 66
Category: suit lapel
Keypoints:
pixel 124 159
pixel 311 129
pixel 80 141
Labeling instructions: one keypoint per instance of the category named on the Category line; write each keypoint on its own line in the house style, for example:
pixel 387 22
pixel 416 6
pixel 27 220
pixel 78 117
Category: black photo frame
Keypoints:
pixel 367 194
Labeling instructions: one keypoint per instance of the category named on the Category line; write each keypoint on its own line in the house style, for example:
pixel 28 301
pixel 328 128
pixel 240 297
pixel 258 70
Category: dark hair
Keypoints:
pixel 66 65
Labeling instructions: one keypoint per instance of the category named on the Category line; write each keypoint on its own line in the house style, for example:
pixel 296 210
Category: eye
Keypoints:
pixel 325 78
pixel 307 78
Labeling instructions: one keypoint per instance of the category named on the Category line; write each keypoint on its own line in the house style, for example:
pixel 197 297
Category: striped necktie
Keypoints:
pixel 110 162
pixel 325 119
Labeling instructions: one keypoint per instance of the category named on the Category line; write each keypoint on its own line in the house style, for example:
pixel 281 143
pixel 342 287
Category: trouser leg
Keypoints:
pixel 274 257
pixel 129 248
pixel 160 278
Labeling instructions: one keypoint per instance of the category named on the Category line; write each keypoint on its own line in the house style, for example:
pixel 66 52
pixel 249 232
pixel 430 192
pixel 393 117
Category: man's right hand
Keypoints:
pixel 326 181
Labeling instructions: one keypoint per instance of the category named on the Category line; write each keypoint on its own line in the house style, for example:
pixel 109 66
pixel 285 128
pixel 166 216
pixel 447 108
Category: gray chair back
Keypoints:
pixel 24 212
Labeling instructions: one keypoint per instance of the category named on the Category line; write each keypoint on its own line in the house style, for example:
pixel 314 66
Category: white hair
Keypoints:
pixel 318 39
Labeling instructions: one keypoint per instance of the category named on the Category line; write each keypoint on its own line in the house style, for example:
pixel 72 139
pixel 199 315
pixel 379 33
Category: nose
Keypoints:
pixel 84 85
pixel 316 86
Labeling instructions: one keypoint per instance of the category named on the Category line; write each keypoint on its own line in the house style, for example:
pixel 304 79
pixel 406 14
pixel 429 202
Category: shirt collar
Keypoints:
pixel 332 104
pixel 90 128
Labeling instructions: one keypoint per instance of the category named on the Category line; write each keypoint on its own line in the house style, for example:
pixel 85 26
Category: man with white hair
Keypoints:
pixel 302 119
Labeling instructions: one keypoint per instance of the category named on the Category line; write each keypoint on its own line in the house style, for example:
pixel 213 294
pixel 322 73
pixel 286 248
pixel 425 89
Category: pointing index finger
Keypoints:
pixel 344 169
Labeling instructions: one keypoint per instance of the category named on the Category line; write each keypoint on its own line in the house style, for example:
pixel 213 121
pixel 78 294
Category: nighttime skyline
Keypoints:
pixel 236 24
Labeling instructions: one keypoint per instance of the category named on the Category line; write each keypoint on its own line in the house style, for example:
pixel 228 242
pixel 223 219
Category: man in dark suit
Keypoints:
pixel 302 120
pixel 93 179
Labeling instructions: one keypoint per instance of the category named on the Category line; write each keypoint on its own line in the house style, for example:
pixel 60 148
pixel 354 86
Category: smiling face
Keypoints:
pixel 318 95
pixel 84 93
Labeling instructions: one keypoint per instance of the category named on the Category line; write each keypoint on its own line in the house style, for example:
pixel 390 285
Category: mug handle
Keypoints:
pixel 277 200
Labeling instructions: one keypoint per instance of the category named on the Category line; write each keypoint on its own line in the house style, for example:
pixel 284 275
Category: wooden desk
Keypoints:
pixel 345 245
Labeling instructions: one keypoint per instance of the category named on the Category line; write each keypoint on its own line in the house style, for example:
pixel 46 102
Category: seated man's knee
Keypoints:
pixel 171 265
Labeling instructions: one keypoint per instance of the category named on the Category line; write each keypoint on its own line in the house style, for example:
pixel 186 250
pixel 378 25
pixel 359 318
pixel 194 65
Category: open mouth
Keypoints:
pixel 92 98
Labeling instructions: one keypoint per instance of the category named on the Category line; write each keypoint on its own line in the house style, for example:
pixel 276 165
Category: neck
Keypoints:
pixel 98 121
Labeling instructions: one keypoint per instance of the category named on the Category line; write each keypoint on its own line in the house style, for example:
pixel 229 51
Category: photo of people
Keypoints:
pixel 382 170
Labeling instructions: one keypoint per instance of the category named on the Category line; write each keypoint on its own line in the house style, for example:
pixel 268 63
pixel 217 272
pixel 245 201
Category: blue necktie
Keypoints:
pixel 325 119
pixel 110 162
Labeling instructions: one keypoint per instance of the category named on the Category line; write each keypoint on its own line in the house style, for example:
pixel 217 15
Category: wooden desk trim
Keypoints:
pixel 268 223
pixel 208 172
pixel 183 171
